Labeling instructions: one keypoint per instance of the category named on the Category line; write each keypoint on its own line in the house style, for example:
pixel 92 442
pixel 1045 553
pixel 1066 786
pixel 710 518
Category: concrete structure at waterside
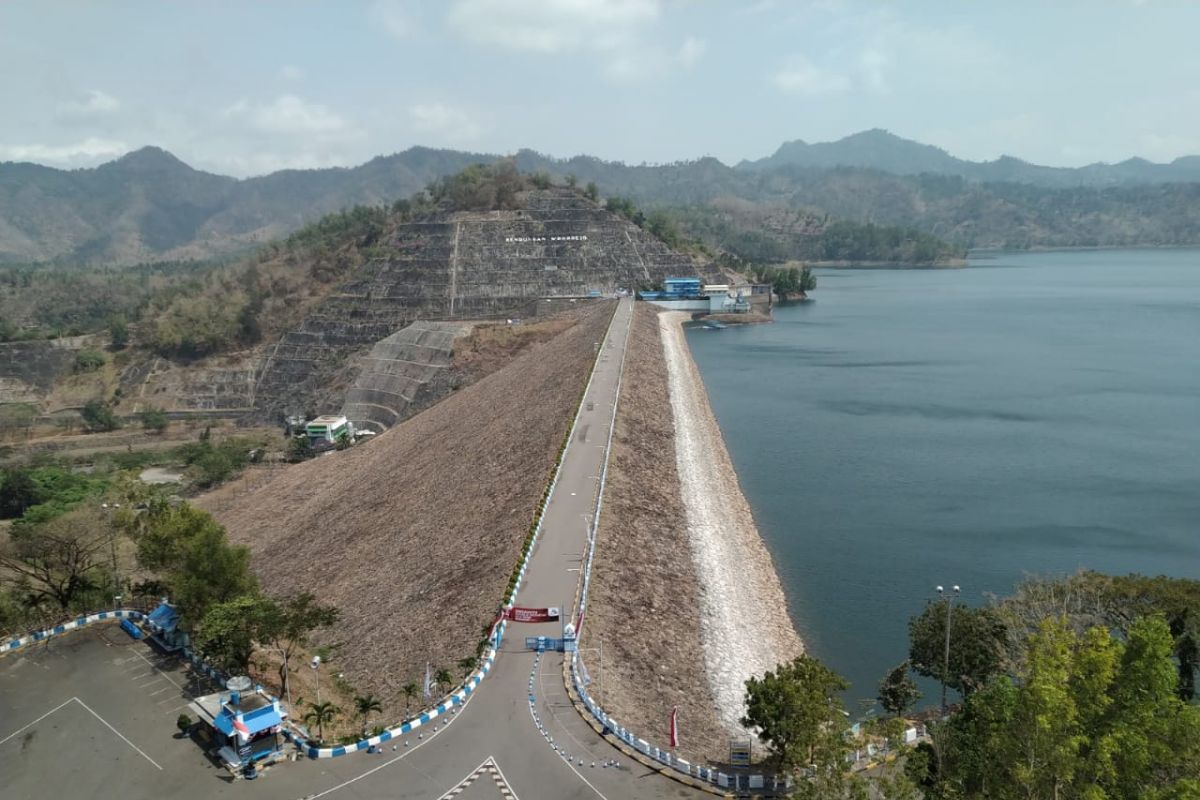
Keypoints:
pixel 688 294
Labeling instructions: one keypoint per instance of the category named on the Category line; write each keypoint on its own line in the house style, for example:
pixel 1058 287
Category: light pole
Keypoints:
pixel 112 547
pixel 949 598
pixel 316 663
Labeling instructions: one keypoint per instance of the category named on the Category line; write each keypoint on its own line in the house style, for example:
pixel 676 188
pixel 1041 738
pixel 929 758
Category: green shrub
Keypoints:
pixel 98 416
pixel 89 360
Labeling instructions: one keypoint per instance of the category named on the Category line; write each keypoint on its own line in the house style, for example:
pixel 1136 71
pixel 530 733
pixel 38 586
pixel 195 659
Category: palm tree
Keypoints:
pixel 443 679
pixel 410 690
pixel 321 713
pixel 364 706
pixel 467 664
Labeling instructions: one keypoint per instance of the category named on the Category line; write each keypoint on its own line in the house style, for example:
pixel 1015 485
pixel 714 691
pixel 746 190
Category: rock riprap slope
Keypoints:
pixel 459 266
pixel 414 535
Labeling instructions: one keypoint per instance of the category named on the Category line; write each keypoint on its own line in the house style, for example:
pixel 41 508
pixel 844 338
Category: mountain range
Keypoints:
pixel 148 205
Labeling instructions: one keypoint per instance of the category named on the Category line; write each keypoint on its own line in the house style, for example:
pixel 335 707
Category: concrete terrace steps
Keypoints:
pixel 468 265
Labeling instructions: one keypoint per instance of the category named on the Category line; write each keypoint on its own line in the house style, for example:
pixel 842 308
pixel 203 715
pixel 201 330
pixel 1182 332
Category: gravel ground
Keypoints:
pixel 644 601
pixel 745 626
pixel 413 536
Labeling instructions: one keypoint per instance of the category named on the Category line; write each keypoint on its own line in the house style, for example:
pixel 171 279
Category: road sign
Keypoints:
pixel 739 752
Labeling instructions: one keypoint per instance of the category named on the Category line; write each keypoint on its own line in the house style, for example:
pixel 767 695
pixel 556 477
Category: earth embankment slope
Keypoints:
pixel 644 601
pixel 413 536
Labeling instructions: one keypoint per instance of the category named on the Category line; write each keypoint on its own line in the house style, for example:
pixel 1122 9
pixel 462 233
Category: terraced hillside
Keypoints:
pixel 458 266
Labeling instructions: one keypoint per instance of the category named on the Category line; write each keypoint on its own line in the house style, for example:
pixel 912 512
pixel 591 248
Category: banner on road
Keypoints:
pixel 522 614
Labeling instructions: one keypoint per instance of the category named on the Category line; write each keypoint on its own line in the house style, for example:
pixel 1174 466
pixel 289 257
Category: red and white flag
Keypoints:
pixel 241 728
pixel 675 727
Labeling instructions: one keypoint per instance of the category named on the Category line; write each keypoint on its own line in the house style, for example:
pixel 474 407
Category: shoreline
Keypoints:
pixel 746 628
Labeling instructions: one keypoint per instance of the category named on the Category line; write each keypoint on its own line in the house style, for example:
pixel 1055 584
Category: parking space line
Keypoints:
pixel 141 675
pixel 160 691
pixel 159 670
pixel 150 682
pixel 35 722
pixel 117 732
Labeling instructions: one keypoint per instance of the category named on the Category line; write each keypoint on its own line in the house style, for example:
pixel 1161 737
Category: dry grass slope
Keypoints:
pixel 644 599
pixel 414 535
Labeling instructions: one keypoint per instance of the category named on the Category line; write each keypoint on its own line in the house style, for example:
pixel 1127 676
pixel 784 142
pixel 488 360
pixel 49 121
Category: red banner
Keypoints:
pixel 520 614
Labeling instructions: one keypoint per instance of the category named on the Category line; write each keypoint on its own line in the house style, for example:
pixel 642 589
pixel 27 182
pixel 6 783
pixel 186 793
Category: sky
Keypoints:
pixel 245 88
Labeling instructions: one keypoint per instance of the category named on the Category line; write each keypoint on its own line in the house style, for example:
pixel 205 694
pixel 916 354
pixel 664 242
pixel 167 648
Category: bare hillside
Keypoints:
pixel 414 535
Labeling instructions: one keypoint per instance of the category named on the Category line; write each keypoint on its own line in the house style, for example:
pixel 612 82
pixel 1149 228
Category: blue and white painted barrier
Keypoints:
pixel 459 697
pixel 665 757
pixel 75 624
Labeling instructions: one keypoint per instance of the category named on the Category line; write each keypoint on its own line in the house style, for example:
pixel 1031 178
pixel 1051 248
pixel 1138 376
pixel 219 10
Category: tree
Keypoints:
pixel 443 679
pixel 18 491
pixel 98 416
pixel 410 690
pixel 118 332
pixel 300 616
pixel 200 565
pixel 796 711
pixel 364 705
pixel 898 691
pixel 592 191
pixel 62 559
pixel 155 420
pixel 977 639
pixel 467 664
pixel 571 181
pixel 229 631
pixel 320 713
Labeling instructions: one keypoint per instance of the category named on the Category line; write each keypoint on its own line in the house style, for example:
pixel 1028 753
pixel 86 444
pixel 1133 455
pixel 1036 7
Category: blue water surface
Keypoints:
pixel 1031 413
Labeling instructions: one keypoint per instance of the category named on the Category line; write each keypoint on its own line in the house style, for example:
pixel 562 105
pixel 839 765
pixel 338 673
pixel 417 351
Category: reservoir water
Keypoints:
pixel 1031 413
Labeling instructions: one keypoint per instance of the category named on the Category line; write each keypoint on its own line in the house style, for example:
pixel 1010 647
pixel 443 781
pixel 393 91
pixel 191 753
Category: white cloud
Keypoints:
pixel 93 103
pixel 801 76
pixel 691 51
pixel 90 150
pixel 394 17
pixel 447 122
pixel 552 26
pixel 288 114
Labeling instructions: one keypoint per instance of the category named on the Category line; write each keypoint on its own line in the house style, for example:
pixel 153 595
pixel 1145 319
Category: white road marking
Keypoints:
pixel 568 731
pixel 159 671
pixel 117 732
pixel 35 722
pixel 490 767
pixel 407 751
pixel 160 691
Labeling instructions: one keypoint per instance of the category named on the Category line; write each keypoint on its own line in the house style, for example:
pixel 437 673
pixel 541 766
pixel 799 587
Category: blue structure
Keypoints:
pixel 164 626
pixel 681 288
pixel 247 725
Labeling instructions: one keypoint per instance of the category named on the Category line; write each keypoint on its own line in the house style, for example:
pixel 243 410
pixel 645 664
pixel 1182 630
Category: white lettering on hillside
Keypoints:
pixel 522 239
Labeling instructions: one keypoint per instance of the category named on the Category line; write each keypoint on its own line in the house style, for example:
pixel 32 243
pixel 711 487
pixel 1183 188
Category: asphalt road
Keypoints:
pixel 490 748
pixel 497 725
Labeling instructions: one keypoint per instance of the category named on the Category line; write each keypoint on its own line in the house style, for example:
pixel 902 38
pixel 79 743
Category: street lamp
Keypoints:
pixel 949 598
pixel 315 664
pixel 112 546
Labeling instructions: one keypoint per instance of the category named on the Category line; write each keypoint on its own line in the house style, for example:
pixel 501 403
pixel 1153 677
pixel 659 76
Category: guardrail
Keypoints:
pixel 668 759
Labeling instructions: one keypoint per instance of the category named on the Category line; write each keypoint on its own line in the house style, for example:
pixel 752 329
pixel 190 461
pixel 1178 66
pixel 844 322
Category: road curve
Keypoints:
pixel 497 731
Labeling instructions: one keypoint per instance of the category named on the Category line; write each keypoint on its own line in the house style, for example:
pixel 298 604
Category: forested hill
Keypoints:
pixel 150 206
pixel 881 150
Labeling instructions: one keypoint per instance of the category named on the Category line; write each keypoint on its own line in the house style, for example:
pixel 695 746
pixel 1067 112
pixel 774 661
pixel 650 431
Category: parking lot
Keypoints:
pixel 92 714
